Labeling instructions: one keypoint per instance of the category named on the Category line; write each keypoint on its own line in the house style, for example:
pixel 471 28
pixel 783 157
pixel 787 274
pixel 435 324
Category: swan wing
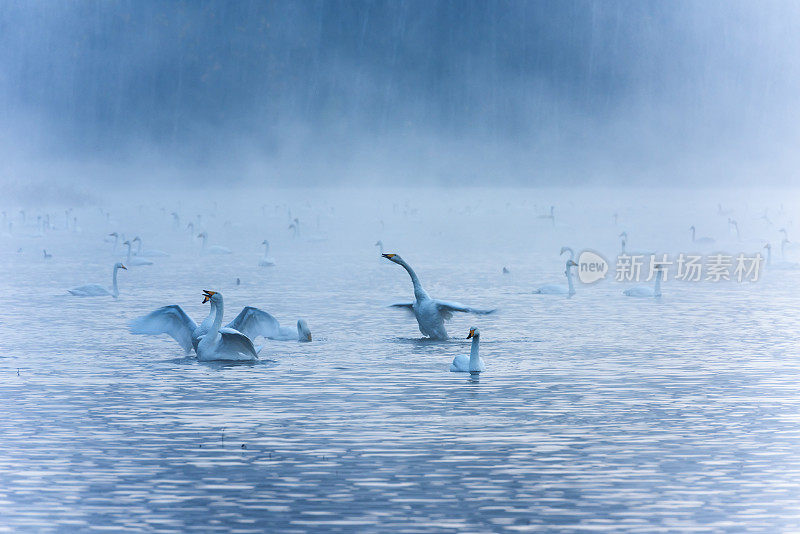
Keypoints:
pixel 407 306
pixel 253 322
pixel 446 309
pixel 234 343
pixel 171 320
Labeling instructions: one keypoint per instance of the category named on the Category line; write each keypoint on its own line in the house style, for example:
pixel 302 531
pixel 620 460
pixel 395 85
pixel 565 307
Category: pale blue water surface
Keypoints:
pixel 597 412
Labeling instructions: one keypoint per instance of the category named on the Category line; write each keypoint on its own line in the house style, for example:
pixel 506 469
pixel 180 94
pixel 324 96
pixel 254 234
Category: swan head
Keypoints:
pixel 126 242
pixel 624 235
pixel 135 239
pixel 691 228
pixel 473 332
pixel 571 263
pixel 265 242
pixel 213 296
pixel 118 265
pixel 303 332
pixel 767 246
pixel 202 234
pixel 113 234
pixel 379 243
pixel 392 257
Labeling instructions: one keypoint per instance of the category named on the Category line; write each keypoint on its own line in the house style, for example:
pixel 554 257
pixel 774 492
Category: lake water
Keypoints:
pixel 597 412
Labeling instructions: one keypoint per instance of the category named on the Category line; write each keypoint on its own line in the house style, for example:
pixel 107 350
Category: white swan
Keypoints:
pixel 786 243
pixel 115 235
pixel 551 216
pixel 254 322
pixel 430 313
pixel 224 344
pixel 215 249
pixel 266 261
pixel 645 291
pixel 135 262
pixel 473 363
pixel 735 225
pixel 624 242
pixel 558 289
pixel 701 240
pixel 150 253
pixel 779 265
pixel 96 290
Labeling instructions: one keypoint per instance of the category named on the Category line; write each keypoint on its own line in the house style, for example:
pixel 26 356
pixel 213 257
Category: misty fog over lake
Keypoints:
pixel 399 266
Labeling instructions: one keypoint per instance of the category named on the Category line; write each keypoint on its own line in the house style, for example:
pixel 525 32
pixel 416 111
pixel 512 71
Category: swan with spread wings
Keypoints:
pixel 251 322
pixel 430 313
pixel 210 340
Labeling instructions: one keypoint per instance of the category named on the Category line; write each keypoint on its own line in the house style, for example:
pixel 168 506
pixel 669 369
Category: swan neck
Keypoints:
pixel 129 252
pixel 208 321
pixel 215 326
pixel 474 359
pixel 569 281
pixel 769 256
pixel 419 292
pixel 114 287
pixel 659 276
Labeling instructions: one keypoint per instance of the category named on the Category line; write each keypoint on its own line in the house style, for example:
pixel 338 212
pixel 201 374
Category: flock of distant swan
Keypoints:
pixel 211 341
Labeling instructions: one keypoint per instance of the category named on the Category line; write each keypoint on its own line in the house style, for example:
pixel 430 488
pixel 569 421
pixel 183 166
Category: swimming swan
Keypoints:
pixel 701 240
pixel 645 291
pixel 149 253
pixel 215 249
pixel 266 261
pixel 623 244
pixel 779 265
pixel 134 262
pixel 96 290
pixel 473 363
pixel 430 313
pixel 254 322
pixel 557 289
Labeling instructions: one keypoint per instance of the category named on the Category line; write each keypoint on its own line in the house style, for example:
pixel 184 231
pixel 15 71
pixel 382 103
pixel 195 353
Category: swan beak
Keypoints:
pixel 471 333
pixel 388 256
pixel 309 337
pixel 207 295
pixel 123 267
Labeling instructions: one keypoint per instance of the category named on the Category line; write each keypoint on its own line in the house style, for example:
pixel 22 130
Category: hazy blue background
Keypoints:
pixel 547 92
